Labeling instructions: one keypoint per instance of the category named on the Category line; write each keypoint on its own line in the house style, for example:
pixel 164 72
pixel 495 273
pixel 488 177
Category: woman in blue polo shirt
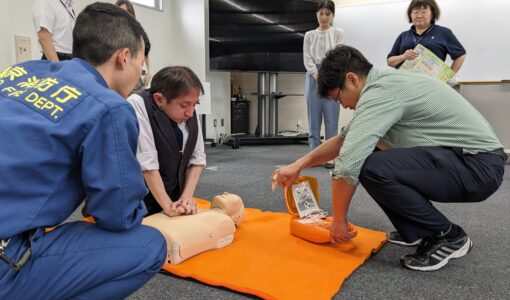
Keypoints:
pixel 440 40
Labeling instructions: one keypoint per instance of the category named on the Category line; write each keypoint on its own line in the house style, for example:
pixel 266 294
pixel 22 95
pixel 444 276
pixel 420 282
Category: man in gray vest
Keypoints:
pixel 170 145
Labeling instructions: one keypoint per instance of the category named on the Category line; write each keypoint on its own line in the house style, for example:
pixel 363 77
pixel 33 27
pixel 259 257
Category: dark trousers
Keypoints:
pixel 405 181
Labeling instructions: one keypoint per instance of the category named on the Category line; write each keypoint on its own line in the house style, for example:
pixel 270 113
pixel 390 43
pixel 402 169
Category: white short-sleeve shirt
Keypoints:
pixel 58 17
pixel 146 151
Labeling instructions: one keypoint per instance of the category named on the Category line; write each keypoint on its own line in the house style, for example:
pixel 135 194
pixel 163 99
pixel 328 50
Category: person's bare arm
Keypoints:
pixel 342 193
pixel 393 61
pixel 46 41
pixel 457 63
pixel 327 151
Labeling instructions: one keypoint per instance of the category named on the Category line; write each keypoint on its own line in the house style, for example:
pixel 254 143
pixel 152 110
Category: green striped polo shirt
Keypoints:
pixel 407 109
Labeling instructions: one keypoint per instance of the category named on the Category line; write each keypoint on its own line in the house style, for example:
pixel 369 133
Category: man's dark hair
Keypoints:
pixel 174 82
pixel 327 4
pixel 338 62
pixel 416 4
pixel 103 28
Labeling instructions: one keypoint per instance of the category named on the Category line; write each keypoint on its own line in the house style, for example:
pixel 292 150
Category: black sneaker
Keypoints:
pixel 395 238
pixel 434 252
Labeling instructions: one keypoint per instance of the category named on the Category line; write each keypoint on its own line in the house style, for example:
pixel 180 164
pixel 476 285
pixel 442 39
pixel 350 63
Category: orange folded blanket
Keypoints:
pixel 267 261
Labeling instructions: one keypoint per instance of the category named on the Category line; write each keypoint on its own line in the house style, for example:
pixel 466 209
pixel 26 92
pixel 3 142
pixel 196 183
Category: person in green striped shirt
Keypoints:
pixel 412 140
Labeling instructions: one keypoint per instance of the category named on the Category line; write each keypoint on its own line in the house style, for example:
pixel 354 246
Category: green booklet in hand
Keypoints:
pixel 428 63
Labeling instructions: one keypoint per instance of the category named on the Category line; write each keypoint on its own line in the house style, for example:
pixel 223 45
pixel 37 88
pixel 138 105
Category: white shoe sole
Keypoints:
pixel 457 254
pixel 402 243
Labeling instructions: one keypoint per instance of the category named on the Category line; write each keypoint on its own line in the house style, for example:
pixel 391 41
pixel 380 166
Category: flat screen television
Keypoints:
pixel 259 35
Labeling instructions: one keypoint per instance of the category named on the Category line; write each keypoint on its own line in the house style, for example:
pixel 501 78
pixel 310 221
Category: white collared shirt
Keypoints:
pixel 146 152
pixel 317 42
pixel 58 17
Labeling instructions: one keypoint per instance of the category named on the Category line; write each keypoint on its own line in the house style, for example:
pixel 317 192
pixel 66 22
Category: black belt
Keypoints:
pixel 64 56
pixel 16 266
pixel 499 152
pixel 60 55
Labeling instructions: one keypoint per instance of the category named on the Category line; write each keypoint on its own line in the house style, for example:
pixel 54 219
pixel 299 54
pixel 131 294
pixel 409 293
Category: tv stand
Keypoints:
pixel 262 136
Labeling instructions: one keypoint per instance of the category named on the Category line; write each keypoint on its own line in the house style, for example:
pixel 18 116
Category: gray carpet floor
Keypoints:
pixel 483 274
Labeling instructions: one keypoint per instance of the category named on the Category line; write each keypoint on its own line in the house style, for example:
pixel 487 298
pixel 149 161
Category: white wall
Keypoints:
pixel 5 35
pixel 492 101
pixel 187 30
pixel 220 99
pixel 153 22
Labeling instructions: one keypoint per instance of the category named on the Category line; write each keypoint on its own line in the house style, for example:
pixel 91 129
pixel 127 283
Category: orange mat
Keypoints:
pixel 267 261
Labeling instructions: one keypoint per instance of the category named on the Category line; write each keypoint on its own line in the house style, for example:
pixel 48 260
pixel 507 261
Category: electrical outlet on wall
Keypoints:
pixel 23 48
pixel 222 122
pixel 215 122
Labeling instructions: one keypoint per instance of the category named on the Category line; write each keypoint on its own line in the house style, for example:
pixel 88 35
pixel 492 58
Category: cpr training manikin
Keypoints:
pixel 208 229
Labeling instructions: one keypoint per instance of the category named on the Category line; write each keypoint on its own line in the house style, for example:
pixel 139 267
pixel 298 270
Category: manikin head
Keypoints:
pixel 231 205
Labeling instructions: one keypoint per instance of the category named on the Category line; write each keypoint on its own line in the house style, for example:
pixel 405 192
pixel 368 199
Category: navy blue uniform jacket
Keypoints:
pixel 65 136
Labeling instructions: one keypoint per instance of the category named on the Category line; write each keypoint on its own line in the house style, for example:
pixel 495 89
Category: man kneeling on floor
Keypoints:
pixel 436 147
pixel 68 133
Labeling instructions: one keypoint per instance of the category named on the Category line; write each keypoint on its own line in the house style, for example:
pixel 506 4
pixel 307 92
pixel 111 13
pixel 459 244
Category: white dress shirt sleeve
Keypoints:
pixel 340 37
pixel 43 15
pixel 198 155
pixel 307 54
pixel 146 152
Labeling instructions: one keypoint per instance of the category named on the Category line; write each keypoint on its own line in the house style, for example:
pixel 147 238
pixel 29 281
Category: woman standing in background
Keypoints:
pixel 146 77
pixel 423 14
pixel 316 43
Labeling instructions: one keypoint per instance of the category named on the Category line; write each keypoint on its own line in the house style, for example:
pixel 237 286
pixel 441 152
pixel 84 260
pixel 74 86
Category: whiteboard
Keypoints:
pixel 482 27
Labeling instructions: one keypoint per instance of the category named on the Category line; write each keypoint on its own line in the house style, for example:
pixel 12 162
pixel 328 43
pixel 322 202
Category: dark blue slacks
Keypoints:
pixel 82 261
pixel 405 181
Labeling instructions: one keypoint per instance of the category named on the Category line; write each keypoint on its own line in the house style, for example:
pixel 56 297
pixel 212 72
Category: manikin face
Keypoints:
pixel 421 17
pixel 324 17
pixel 180 109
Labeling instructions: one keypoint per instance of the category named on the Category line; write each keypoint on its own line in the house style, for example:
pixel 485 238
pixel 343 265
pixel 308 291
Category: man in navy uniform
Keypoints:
pixel 69 134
